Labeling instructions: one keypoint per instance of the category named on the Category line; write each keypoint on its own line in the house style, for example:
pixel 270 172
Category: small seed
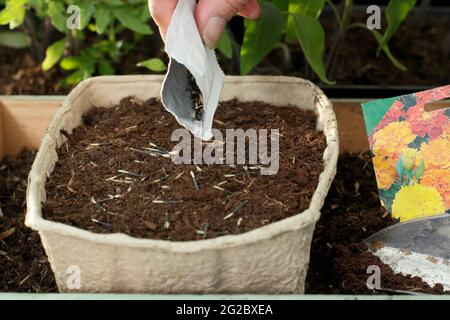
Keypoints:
pixel 103 224
pixel 194 180
pixel 167 201
pixel 151 226
pixel 167 223
pixel 7 233
pixel 178 176
pixel 130 173
pixel 25 279
pixel 234 211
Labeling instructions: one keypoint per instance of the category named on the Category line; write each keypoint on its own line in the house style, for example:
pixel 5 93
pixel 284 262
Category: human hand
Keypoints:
pixel 211 15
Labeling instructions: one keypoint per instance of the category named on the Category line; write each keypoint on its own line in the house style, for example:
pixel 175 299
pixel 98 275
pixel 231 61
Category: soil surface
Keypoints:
pixel 23 263
pixel 20 74
pixel 108 182
pixel 339 258
pixel 338 263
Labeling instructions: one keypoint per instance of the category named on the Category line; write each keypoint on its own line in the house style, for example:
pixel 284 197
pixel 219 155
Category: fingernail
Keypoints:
pixel 212 31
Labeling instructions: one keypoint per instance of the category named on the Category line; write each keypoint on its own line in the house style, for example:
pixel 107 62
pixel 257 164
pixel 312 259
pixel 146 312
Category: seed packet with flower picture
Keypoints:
pixel 410 150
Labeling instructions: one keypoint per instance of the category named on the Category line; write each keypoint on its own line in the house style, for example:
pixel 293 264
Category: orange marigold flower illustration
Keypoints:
pixel 384 171
pixel 446 133
pixel 423 123
pixel 424 97
pixel 394 114
pixel 427 96
pixel 440 179
pixel 392 139
pixel 436 154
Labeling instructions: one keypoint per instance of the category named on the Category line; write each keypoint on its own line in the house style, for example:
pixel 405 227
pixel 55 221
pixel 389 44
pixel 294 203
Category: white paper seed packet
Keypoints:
pixel 189 56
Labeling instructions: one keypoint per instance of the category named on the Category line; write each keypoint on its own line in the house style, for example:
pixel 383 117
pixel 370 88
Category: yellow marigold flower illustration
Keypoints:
pixel 409 158
pixel 417 201
pixel 384 171
pixel 436 154
pixel 390 140
pixel 440 179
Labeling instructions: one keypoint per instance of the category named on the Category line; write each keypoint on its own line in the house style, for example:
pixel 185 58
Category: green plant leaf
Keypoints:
pixel 154 64
pixel 225 45
pixel 87 10
pixel 69 63
pixel 39 6
pixel 396 12
pixel 13 13
pixel 53 54
pixel 14 39
pixel 312 8
pixel 419 170
pixel 260 36
pixel 73 78
pixel 102 19
pixel 85 68
pixel 114 3
pixel 400 169
pixel 144 12
pixel 387 50
pixel 57 12
pixel 388 195
pixel 311 37
pixel 283 5
pixel 105 68
pixel 130 21
pixel 379 37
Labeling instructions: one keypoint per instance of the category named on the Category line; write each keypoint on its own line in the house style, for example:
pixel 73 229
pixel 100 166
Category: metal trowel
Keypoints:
pixel 410 147
pixel 417 247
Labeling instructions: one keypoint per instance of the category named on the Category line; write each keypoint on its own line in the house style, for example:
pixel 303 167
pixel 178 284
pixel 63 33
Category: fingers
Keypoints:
pixel 162 11
pixel 251 10
pixel 212 16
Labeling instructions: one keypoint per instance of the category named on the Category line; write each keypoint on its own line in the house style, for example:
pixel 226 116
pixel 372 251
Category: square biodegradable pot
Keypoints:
pixel 272 259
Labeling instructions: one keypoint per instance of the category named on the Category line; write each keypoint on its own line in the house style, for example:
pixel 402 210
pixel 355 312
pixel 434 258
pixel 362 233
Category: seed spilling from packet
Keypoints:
pixel 196 97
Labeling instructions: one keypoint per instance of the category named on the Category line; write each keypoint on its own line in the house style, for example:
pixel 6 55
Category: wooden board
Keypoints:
pixel 24 122
pixel 352 130
pixel 2 146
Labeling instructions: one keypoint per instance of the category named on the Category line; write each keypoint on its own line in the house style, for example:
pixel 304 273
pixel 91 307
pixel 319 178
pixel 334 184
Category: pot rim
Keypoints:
pixel 326 120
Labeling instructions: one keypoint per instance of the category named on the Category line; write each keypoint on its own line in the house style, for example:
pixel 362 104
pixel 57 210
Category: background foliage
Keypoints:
pixel 99 44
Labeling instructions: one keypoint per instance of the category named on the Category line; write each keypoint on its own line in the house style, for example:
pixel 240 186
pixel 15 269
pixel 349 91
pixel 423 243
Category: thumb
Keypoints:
pixel 162 11
pixel 212 16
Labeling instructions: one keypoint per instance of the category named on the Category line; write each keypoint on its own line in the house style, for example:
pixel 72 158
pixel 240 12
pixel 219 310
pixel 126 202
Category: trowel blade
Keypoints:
pixel 418 247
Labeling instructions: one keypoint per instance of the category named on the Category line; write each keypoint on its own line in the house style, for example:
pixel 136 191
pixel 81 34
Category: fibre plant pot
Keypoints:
pixel 271 259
